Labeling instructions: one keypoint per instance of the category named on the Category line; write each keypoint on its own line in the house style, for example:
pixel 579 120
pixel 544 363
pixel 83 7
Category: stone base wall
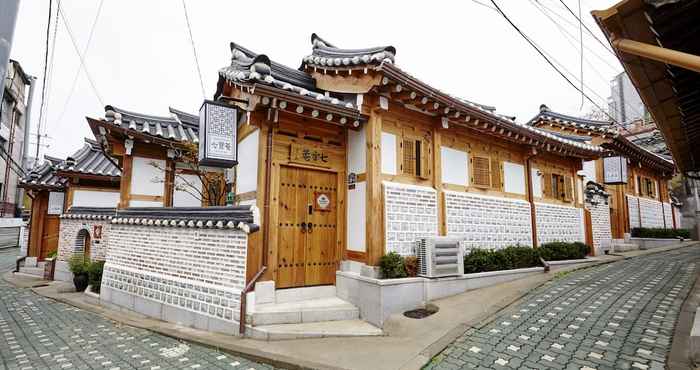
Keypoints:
pixel 646 212
pixel 559 223
pixel 488 222
pixel 410 213
pixel 599 208
pixel 68 236
pixel 189 275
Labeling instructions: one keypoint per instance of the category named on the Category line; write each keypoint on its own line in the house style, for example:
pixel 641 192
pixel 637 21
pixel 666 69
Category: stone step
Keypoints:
pixel 342 328
pixel 34 271
pixel 304 294
pixel 312 310
pixel 624 247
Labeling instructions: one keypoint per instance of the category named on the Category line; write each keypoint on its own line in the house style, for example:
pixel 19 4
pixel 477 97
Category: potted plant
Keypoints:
pixel 95 275
pixel 79 269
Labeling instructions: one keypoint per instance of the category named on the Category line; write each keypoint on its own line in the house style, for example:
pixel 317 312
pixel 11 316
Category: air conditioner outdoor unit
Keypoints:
pixel 440 256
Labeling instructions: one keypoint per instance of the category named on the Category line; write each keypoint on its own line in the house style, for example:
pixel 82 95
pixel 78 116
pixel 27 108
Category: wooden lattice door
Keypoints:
pixel 307 253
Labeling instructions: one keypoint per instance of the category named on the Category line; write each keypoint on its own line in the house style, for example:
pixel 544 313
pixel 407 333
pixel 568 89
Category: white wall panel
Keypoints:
pixel 536 183
pixel 388 153
pixel 147 179
pixel 188 195
pixel 247 169
pixel 514 176
pixel 357 218
pixel 144 203
pixel 454 166
pixel 589 171
pixel 91 198
pixel 357 151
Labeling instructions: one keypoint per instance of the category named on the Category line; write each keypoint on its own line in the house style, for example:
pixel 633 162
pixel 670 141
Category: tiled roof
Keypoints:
pixel 90 160
pixel 548 116
pixel 248 67
pixel 180 126
pixel 222 217
pixel 324 54
pixel 44 176
pixel 90 213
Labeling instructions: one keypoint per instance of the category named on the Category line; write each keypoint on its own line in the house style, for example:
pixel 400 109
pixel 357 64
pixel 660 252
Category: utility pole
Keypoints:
pixel 8 19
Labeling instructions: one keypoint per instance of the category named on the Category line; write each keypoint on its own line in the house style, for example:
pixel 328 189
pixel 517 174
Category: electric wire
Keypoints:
pixel 605 46
pixel 46 66
pixel 194 50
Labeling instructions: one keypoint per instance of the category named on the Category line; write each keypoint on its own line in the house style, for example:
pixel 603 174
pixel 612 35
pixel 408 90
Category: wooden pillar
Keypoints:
pixel 375 202
pixel 125 182
pixel 531 200
pixel 437 182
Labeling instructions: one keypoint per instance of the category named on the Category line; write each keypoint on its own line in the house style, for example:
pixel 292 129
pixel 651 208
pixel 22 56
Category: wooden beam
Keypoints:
pixel 659 54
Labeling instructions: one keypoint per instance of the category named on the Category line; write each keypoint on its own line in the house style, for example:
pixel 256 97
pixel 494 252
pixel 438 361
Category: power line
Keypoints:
pixel 194 50
pixel 586 27
pixel 80 56
pixel 77 72
pixel 581 39
pixel 52 65
pixel 46 66
pixel 553 66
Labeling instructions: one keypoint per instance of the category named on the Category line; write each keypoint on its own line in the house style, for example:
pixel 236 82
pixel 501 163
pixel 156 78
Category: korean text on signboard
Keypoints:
pixel 217 132
pixel 309 155
pixel 615 170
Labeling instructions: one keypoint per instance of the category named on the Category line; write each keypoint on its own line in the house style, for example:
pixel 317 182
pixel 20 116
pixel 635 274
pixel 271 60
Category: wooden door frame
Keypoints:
pixel 340 209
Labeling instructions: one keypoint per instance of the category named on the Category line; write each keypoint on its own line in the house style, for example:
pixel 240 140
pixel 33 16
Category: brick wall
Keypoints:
pixel 410 212
pixel 599 208
pixel 558 223
pixel 488 222
pixel 195 269
pixel 68 243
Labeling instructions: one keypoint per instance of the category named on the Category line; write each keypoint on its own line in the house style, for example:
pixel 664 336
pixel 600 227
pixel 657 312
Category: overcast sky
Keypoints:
pixel 140 57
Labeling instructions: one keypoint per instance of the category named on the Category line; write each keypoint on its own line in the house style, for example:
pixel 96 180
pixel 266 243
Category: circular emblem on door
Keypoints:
pixel 323 201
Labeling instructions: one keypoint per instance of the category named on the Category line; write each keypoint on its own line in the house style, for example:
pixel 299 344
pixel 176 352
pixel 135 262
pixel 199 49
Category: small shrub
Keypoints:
pixel 509 258
pixel 558 251
pixel 392 266
pixel 52 254
pixel 78 265
pixel 94 271
pixel 411 265
pixel 660 233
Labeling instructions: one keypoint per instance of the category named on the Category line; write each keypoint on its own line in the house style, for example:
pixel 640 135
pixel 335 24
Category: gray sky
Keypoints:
pixel 140 57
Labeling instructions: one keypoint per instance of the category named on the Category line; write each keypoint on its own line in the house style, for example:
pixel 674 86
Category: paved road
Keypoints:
pixel 39 333
pixel 615 316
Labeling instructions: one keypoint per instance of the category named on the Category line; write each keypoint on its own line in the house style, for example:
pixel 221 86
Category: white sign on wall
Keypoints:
pixel 615 170
pixel 55 203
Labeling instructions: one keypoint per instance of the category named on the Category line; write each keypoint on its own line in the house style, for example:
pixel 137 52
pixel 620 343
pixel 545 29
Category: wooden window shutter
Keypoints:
pixel 547 179
pixel 480 171
pixel 496 178
pixel 423 151
pixel 568 189
pixel 409 156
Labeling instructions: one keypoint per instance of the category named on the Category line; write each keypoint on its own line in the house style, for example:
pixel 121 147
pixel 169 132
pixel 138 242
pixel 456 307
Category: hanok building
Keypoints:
pixel 86 179
pixel 643 199
pixel 351 157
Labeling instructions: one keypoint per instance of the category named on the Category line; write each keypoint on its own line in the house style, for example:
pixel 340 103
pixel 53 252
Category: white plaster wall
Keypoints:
pixel 189 197
pixel 247 168
pixel 357 150
pixel 558 223
pixel 147 179
pixel 514 178
pixel 357 218
pixel 144 203
pixel 536 183
pixel 588 171
pixel 454 166
pixel 388 153
pixel 410 213
pixel 161 265
pixel 488 222
pixel 91 198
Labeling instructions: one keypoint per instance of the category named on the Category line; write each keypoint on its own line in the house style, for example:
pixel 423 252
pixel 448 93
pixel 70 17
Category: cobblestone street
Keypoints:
pixel 615 316
pixel 39 333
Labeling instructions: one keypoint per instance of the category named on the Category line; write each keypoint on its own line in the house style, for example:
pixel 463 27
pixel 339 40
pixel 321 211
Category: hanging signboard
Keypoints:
pixel 217 135
pixel 55 203
pixel 615 170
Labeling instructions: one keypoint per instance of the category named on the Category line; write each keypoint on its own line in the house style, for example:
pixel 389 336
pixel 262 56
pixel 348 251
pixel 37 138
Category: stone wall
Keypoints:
pixel 410 213
pixel 668 215
pixel 68 243
pixel 597 205
pixel 488 222
pixel 558 223
pixel 633 211
pixel 646 212
pixel 192 275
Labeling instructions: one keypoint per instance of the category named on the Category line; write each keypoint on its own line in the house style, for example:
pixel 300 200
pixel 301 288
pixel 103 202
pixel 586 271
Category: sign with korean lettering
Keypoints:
pixel 615 170
pixel 55 206
pixel 217 135
pixel 323 201
pixel 309 155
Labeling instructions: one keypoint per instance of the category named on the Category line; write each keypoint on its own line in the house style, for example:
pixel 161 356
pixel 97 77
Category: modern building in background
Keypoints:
pixel 14 136
pixel 624 102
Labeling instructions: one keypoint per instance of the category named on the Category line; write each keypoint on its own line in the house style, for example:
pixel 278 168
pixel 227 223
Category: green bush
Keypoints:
pixel 392 266
pixel 517 257
pixel 660 233
pixel 52 254
pixel 94 271
pixel 78 265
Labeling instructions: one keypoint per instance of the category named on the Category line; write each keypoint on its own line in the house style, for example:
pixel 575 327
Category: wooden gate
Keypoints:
pixel 307 253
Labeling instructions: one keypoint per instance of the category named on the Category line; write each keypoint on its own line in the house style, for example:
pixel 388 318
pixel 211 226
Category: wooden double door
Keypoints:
pixel 307 234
